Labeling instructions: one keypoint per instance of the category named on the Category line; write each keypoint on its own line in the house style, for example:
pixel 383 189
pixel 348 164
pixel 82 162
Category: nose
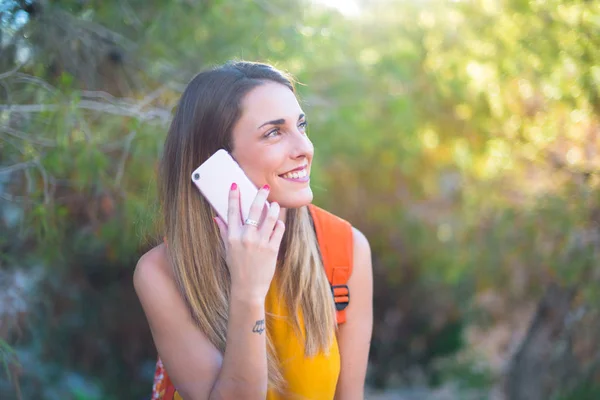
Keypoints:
pixel 301 146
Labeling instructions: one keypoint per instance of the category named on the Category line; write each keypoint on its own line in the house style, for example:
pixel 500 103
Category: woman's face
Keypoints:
pixel 271 146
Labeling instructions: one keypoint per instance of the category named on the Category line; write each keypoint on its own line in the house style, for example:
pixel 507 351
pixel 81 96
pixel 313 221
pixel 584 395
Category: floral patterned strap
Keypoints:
pixel 163 388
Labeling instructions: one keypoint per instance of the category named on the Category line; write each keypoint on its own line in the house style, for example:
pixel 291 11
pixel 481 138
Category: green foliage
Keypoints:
pixel 468 372
pixel 586 391
pixel 460 137
pixel 7 356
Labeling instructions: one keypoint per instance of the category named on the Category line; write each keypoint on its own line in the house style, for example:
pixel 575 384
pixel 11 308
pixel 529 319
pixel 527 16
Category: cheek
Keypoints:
pixel 261 169
pixel 271 162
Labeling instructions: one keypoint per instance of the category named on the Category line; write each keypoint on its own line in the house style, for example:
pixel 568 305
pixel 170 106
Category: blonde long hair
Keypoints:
pixel 202 124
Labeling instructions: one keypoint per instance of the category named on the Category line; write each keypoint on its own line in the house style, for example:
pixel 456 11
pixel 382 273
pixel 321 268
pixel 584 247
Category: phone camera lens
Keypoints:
pixel 196 176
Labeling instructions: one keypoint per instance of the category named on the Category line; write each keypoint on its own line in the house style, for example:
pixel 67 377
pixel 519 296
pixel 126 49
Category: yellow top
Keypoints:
pixel 313 378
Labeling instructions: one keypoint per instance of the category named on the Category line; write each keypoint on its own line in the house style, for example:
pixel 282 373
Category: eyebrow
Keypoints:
pixel 279 121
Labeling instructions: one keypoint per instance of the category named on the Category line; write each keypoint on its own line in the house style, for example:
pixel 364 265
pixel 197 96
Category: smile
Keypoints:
pixel 296 176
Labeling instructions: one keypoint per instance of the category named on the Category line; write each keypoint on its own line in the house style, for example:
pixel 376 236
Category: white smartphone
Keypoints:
pixel 214 178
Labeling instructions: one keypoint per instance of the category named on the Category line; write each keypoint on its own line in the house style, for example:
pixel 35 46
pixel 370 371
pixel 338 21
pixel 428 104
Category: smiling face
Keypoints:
pixel 271 146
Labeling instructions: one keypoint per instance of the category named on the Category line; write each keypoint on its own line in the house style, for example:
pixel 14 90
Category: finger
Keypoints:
pixel 277 234
pixel 266 229
pixel 222 228
pixel 259 203
pixel 234 219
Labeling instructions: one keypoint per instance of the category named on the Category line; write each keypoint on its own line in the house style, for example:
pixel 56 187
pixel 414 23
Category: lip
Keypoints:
pixel 304 179
pixel 295 169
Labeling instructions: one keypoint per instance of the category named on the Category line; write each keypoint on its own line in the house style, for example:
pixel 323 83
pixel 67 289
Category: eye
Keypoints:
pixel 303 125
pixel 272 133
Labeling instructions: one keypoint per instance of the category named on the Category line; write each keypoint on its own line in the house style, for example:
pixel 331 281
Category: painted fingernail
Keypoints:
pixel 233 186
pixel 266 187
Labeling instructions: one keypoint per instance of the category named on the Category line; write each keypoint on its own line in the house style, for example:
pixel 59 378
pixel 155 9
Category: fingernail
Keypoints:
pixel 233 186
pixel 266 187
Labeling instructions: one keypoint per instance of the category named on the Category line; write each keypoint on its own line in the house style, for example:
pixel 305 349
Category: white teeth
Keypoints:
pixel 296 174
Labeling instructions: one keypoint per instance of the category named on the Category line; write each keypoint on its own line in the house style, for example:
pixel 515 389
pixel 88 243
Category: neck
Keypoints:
pixel 282 214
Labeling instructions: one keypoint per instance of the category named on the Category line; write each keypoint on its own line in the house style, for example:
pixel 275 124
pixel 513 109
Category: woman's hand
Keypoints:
pixel 251 251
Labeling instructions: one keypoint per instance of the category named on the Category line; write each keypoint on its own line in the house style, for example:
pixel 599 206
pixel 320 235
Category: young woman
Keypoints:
pixel 245 310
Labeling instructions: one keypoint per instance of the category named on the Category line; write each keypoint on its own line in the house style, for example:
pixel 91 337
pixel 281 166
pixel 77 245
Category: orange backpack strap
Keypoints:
pixel 336 245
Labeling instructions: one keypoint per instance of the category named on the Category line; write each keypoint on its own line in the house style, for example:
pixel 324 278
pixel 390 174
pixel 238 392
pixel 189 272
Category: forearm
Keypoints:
pixel 244 370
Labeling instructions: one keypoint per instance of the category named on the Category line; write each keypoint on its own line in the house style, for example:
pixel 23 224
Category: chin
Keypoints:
pixel 295 200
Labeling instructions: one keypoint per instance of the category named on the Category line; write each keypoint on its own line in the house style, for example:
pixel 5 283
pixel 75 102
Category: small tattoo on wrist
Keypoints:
pixel 259 326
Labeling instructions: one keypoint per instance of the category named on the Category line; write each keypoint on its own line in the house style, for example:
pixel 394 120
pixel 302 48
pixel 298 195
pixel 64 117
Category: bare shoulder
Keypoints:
pixel 155 286
pixel 360 282
pixel 361 250
pixel 152 266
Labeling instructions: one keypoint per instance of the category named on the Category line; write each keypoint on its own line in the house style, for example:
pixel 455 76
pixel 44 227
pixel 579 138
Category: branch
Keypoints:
pixel 150 97
pixel 25 166
pixel 44 180
pixel 23 136
pixel 152 113
pixel 99 94
pixel 12 71
pixel 6 91
pixel 20 149
pixel 85 128
pixel 130 13
pixel 32 79
pixel 123 159
pixel 16 199
pixel 89 27
pixel 17 167
pixel 29 108
pixel 126 111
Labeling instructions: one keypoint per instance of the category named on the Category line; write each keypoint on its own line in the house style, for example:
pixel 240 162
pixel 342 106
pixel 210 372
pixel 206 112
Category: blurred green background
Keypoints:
pixel 462 137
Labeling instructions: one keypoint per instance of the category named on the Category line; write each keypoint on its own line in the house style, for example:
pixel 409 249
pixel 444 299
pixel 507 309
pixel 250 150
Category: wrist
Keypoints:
pixel 246 297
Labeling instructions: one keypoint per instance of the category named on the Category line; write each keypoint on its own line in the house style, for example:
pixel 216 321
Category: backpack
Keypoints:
pixel 335 239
